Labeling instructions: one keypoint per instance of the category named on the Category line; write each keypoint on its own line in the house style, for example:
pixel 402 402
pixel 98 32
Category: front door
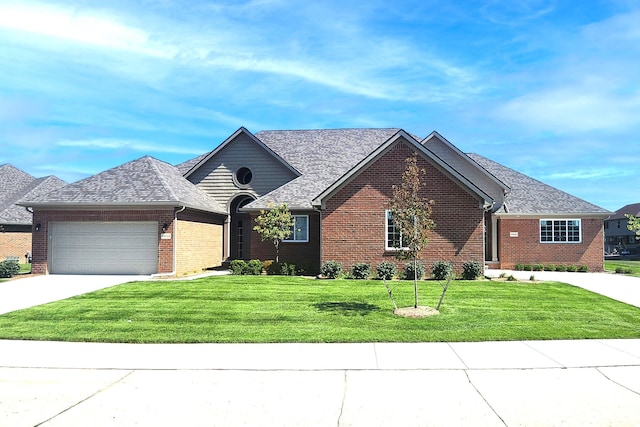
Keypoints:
pixel 240 229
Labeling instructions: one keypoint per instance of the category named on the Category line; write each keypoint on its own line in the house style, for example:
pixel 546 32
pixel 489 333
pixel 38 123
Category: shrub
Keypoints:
pixel 532 278
pixel 331 269
pixel 287 269
pixel 583 269
pixel 572 268
pixel 561 267
pixel 511 279
pixel 386 270
pixel 238 266
pixel 471 270
pixel 627 271
pixel 538 267
pixel 549 267
pixel 408 270
pixel 361 270
pixel 518 267
pixel 9 268
pixel 254 267
pixel 527 267
pixel 440 270
pixel 619 270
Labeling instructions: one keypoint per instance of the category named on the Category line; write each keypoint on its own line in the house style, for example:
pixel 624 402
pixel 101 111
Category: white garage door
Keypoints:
pixel 103 247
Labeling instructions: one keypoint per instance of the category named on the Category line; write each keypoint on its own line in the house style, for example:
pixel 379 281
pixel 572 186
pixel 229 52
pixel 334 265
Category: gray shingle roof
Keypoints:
pixel 16 185
pixel 633 209
pixel 530 196
pixel 142 182
pixel 322 156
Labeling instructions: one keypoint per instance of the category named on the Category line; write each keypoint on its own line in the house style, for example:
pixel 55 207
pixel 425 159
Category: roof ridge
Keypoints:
pixel 154 163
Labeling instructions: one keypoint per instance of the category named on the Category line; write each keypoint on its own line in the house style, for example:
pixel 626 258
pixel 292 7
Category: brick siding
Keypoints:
pixel 15 241
pixel 526 248
pixel 353 224
pixel 199 242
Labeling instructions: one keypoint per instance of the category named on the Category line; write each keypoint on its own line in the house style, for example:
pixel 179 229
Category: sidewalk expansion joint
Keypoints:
pixel 108 386
pixel 484 398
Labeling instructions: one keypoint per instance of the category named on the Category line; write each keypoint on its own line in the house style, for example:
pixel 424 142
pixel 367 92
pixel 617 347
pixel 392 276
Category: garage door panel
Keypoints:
pixel 104 247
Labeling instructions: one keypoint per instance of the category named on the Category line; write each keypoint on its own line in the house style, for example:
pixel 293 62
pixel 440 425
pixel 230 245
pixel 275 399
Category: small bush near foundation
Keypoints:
pixel 440 270
pixel 386 270
pixel 572 268
pixel 538 267
pixel 238 266
pixel 9 269
pixel 361 270
pixel 527 267
pixel 561 267
pixel 288 269
pixel 331 269
pixel 518 267
pixel 549 267
pixel 254 267
pixel 583 269
pixel 408 270
pixel 471 270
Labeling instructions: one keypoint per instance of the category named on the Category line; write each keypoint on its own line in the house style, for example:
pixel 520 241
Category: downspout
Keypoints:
pixel 175 250
pixel 319 210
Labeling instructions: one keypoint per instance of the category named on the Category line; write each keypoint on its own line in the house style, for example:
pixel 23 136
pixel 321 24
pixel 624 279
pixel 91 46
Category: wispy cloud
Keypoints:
pixel 139 146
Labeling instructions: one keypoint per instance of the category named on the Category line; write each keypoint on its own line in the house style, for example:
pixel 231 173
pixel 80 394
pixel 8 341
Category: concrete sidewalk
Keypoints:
pixel 546 383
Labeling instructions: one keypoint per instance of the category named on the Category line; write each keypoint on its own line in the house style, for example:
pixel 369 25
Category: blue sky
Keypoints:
pixel 549 88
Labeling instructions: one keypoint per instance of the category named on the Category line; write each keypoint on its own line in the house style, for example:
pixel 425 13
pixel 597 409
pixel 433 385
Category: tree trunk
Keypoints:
pixel 415 281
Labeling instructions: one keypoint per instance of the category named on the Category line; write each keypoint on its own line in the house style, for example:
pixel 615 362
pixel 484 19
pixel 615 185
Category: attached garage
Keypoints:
pixel 103 247
pixel 140 218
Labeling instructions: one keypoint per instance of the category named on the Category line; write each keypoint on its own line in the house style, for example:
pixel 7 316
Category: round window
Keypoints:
pixel 244 176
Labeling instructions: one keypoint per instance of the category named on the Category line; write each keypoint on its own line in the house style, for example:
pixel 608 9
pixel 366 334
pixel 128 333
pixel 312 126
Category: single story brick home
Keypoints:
pixel 16 221
pixel 149 217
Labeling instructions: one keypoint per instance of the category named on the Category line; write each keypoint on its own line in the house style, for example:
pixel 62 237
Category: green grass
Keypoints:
pixel 633 266
pixel 294 309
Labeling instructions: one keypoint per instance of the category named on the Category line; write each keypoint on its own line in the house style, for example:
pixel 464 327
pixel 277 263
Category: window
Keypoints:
pixel 560 231
pixel 393 233
pixel 243 176
pixel 300 229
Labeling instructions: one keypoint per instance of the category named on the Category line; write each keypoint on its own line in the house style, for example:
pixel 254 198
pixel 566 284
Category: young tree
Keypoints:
pixel 634 224
pixel 275 225
pixel 411 213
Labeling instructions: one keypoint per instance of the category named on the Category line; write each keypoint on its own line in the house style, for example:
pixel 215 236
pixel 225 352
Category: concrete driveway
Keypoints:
pixel 24 292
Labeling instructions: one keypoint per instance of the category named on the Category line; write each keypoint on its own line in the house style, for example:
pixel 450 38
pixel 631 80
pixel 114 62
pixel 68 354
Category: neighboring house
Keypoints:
pixel 16 221
pixel 337 184
pixel 618 237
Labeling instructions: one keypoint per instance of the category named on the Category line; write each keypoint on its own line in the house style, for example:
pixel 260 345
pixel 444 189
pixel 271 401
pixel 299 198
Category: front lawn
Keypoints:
pixel 628 267
pixel 295 309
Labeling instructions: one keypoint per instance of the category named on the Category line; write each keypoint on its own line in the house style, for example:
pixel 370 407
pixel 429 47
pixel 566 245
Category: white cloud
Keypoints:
pixel 135 145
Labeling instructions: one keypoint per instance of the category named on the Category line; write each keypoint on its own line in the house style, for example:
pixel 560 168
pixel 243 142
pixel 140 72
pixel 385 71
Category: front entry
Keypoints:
pixel 240 229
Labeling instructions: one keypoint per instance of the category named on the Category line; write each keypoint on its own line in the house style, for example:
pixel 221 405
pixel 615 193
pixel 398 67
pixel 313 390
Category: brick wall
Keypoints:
pixel 15 241
pixel 353 224
pixel 527 249
pixel 43 217
pixel 199 242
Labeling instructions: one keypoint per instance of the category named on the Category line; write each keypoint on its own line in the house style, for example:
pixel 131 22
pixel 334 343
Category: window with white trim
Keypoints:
pixel 393 234
pixel 300 229
pixel 560 231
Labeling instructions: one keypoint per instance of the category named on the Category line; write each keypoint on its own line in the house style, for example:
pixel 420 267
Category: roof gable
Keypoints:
pixel 142 182
pixel 459 161
pixel 402 136
pixel 190 166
